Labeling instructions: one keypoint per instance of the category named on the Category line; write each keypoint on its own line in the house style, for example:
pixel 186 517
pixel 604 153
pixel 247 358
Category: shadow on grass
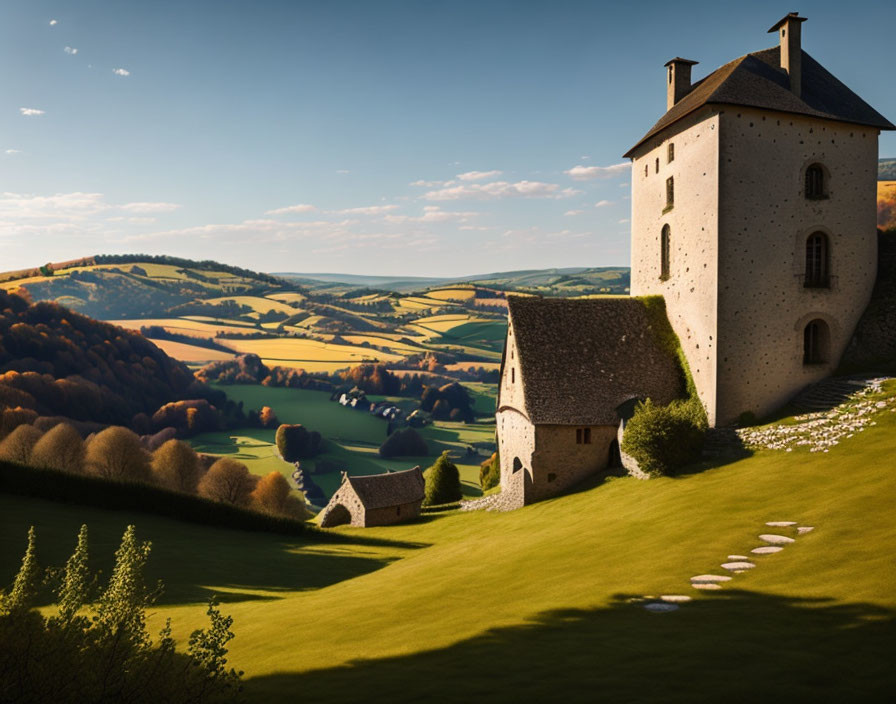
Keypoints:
pixel 738 646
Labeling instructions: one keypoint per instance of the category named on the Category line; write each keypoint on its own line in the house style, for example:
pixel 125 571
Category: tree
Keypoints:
pixel 442 482
pixel 490 472
pixel 273 495
pixel 12 418
pixel 404 442
pixel 116 453
pixel 296 442
pixel 60 448
pixel 72 593
pixel 176 465
pixel 662 439
pixel 24 588
pixel 227 481
pixel 17 446
pixel 267 418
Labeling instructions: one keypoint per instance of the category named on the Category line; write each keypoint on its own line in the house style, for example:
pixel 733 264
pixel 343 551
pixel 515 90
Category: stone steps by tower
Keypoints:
pixel 828 393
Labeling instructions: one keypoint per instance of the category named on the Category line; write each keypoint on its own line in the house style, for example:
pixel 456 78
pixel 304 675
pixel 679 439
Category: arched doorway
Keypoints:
pixel 336 516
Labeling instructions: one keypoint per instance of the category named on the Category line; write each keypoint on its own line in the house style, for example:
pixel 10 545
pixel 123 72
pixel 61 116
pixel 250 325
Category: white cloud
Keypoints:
pixel 603 203
pixel 367 210
pixel 147 207
pixel 478 175
pixel 121 72
pixel 623 221
pixel 299 208
pixel 61 206
pixel 428 184
pixel 343 171
pixel 53 23
pixel 132 220
pixel 587 173
pixel 12 151
pixel 501 189
pixel 70 50
pixel 433 214
pixel 574 212
pixel 31 112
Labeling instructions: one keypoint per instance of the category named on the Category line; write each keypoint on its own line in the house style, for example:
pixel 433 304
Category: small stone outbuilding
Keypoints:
pixel 375 500
pixel 572 372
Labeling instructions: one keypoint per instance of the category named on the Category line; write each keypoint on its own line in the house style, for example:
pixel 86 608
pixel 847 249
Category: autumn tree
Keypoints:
pixel 61 448
pixel 227 481
pixel 176 465
pixel 17 446
pixel 12 418
pixel 296 442
pixel 116 453
pixel 273 495
pixel 267 418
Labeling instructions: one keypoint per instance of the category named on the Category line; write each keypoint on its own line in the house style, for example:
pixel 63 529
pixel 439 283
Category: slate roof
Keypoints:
pixel 757 80
pixel 390 489
pixel 582 358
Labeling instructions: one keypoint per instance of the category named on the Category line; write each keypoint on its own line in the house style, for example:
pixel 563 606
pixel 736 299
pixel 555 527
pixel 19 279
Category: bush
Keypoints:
pixel 175 465
pixel 267 418
pixel 116 453
pixel 404 442
pixel 227 481
pixel 12 418
pixel 60 448
pixel 442 482
pixel 490 472
pixel 296 442
pixel 662 439
pixel 17 446
pixel 273 495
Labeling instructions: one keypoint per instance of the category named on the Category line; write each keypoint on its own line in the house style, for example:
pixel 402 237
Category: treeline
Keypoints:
pixel 204 265
pixel 117 455
pixel 249 369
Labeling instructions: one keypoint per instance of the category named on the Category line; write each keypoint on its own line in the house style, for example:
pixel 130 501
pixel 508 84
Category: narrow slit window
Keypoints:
pixel 512 375
pixel 817 275
pixel 815 183
pixel 657 165
pixel 583 436
pixel 665 256
pixel 670 192
pixel 671 155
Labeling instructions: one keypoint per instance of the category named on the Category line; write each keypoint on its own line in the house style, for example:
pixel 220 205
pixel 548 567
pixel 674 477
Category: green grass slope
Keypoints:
pixel 533 604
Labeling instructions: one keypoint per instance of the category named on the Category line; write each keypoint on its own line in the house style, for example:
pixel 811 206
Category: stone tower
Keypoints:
pixel 754 215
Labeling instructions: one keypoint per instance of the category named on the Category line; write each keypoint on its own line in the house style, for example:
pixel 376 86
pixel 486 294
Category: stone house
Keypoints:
pixel 572 371
pixel 754 217
pixel 375 500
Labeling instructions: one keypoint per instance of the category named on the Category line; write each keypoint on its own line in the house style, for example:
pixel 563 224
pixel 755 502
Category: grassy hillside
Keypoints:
pixel 535 604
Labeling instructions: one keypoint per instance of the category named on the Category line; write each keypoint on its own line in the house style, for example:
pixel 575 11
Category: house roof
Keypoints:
pixel 390 489
pixel 582 358
pixel 757 80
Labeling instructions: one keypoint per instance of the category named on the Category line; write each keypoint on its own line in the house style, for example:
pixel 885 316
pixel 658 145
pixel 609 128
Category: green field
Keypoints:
pixel 352 437
pixel 534 605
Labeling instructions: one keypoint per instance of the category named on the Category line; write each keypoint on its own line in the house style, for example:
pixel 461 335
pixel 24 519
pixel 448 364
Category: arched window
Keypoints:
pixel 665 247
pixel 816 342
pixel 815 182
pixel 817 275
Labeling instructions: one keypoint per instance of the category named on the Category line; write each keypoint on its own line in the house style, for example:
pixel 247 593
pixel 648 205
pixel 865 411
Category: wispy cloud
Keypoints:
pixel 343 171
pixel 367 210
pixel 624 221
pixel 478 175
pixel 31 112
pixel 433 214
pixel 501 189
pixel 603 203
pixel 428 184
pixel 589 173
pixel 573 212
pixel 121 72
pixel 149 207
pixel 12 151
pixel 299 208
pixel 53 23
pixel 70 50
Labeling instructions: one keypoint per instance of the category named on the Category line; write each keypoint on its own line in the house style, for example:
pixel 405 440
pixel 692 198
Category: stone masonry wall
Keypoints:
pixel 516 439
pixel 392 514
pixel 765 220
pixel 559 462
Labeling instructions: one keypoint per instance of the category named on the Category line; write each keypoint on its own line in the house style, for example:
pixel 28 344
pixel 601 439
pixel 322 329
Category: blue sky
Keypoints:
pixel 427 138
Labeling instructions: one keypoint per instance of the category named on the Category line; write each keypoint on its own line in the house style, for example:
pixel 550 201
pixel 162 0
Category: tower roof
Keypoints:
pixel 757 80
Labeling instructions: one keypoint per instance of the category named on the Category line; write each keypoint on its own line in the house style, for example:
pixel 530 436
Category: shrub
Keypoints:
pixel 60 448
pixel 227 481
pixel 273 495
pixel 17 446
pixel 662 439
pixel 267 418
pixel 296 442
pixel 442 482
pixel 175 465
pixel 490 472
pixel 404 442
pixel 116 453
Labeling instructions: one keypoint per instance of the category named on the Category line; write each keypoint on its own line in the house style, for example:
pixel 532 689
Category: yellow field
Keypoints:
pixel 288 297
pixel 422 303
pixel 452 294
pixel 310 355
pixel 194 328
pixel 464 366
pixel 191 353
pixel 382 341
pixel 217 321
pixel 258 304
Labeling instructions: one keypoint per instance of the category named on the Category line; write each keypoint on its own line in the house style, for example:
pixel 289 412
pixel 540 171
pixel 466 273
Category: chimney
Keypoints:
pixel 788 30
pixel 678 80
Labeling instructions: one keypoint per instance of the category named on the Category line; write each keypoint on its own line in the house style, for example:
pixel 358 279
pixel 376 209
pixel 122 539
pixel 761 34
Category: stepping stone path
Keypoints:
pixel 737 567
pixel 738 558
pixel 781 524
pixel 675 598
pixel 767 550
pixel 660 607
pixel 802 530
pixel 773 539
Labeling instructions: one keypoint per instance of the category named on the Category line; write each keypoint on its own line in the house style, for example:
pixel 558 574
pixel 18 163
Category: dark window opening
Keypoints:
pixel 671 151
pixel 815 342
pixel 512 375
pixel 645 170
pixel 517 464
pixel 665 256
pixel 815 183
pixel 670 193
pixel 657 165
pixel 551 477
pixel 817 259
pixel 583 436
pixel 398 510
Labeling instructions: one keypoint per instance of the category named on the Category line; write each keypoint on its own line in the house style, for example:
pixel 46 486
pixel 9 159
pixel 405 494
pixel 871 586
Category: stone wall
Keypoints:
pixel 765 219
pixel 345 497
pixel 392 514
pixel 690 290
pixel 559 462
pixel 516 441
